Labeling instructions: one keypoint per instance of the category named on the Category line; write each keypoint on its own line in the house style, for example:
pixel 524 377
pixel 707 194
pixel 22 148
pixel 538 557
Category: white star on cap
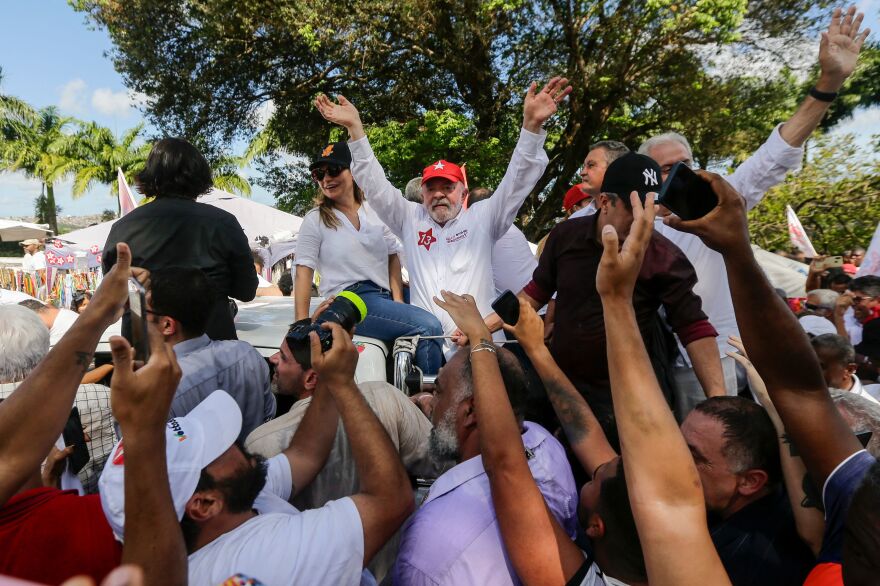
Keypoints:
pixel 438 165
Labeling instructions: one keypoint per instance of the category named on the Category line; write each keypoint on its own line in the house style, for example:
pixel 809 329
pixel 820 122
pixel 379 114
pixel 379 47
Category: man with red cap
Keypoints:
pixel 447 247
pixel 575 199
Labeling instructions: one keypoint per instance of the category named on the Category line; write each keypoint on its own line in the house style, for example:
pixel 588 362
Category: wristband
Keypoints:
pixel 484 346
pixel 822 96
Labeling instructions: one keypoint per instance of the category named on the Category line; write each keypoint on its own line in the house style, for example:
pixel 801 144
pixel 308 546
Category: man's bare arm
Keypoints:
pixel 313 440
pixel 707 366
pixel 664 492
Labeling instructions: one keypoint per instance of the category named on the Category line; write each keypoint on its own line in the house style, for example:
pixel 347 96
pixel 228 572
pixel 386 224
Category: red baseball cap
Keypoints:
pixel 443 169
pixel 572 197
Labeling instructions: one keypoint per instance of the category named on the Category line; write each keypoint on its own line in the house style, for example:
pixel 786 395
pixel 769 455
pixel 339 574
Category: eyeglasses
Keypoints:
pixel 857 299
pixel 331 171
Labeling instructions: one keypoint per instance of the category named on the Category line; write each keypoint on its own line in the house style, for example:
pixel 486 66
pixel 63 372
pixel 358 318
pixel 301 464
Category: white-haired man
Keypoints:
pixel 782 152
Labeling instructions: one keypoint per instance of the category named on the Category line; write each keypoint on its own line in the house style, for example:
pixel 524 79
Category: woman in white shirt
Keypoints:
pixel 353 250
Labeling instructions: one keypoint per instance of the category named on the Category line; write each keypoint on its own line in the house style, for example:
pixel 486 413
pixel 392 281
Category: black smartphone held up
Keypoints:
pixel 74 436
pixel 686 195
pixel 137 305
pixel 507 307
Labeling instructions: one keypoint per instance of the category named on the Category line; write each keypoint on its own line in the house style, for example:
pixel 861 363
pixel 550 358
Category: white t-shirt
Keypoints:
pixel 345 255
pixel 457 256
pixel 513 262
pixel 63 321
pixel 34 262
pixel 319 546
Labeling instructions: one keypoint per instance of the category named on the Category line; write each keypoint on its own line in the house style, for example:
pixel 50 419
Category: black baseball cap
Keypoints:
pixel 632 172
pixel 335 153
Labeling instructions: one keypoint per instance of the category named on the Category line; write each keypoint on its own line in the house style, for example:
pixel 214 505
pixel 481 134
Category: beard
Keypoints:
pixel 441 215
pixel 443 444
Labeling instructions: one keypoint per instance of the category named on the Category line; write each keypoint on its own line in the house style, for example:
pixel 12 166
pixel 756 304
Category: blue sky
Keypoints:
pixel 50 55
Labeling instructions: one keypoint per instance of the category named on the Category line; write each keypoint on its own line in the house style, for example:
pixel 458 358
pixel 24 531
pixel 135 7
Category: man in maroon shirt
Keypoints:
pixel 568 268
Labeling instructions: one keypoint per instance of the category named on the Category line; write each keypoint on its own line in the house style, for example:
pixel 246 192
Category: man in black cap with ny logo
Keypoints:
pixel 568 268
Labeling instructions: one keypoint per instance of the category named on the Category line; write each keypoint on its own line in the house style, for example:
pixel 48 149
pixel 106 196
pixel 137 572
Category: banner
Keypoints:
pixel 871 263
pixel 798 236
pixel 126 199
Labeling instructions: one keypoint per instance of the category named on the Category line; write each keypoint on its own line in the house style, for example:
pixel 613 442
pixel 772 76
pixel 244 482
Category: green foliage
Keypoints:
pixel 836 196
pixel 637 68
pixel 98 155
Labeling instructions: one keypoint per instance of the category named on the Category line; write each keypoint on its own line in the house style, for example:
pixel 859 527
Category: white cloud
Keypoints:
pixel 116 104
pixel 73 96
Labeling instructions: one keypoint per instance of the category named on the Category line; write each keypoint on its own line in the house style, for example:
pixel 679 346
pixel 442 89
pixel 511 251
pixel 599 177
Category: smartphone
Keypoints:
pixel 831 262
pixel 685 193
pixel 507 307
pixel 74 436
pixel 137 305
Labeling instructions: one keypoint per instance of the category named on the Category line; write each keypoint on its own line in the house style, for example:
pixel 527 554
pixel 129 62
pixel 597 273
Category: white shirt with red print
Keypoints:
pixel 456 257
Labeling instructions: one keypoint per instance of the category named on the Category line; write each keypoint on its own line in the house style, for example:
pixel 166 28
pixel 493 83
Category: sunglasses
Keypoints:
pixel 331 171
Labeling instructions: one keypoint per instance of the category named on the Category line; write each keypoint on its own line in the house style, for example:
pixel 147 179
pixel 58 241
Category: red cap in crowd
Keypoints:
pixel 443 169
pixel 573 197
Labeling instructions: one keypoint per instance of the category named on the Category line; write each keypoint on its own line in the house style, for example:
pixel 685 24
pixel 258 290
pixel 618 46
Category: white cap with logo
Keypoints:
pixel 191 443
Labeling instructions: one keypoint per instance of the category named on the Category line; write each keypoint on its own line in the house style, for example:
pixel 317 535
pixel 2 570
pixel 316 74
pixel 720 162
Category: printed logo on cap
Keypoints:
pixel 650 176
pixel 327 151
pixel 178 431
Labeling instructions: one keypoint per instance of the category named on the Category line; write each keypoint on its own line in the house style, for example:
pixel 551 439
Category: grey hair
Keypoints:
pixel 613 149
pixel 413 191
pixel 826 297
pixel 24 341
pixel 841 347
pixel 861 415
pixel 666 138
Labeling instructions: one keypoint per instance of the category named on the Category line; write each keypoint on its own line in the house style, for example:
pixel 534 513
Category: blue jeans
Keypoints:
pixel 387 320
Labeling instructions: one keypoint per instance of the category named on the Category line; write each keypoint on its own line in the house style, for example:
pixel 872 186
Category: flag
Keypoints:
pixel 126 201
pixel 799 238
pixel 871 263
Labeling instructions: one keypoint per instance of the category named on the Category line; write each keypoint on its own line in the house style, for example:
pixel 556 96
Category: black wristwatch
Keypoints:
pixel 822 96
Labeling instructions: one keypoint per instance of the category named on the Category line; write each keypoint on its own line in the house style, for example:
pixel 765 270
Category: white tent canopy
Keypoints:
pixel 258 221
pixel 14 230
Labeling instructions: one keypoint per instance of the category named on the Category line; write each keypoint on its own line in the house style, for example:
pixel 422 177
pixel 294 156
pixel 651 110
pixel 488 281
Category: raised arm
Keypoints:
pixel 50 388
pixel 385 499
pixel 387 201
pixel 583 431
pixel 528 161
pixel 664 492
pixel 141 401
pixel 539 549
pixel 793 377
pixel 313 440
pixel 838 55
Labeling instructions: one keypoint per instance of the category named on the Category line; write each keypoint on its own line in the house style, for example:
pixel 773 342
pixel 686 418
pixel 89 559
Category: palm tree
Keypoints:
pixel 10 106
pixel 32 141
pixel 226 174
pixel 98 155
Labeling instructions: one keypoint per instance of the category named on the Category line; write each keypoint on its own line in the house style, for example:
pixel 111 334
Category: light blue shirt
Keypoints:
pixel 230 365
pixel 454 537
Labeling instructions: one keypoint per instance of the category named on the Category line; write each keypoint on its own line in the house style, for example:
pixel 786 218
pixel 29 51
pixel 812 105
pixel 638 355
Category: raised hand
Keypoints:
pixel 340 361
pixel 344 113
pixel 619 267
pixel 538 107
pixel 839 48
pixel 529 329
pixel 111 296
pixel 725 228
pixel 464 312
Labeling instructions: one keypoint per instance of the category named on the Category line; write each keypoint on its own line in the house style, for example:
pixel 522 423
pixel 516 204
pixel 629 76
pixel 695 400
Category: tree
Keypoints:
pixel 836 196
pixel 32 142
pixel 98 155
pixel 637 68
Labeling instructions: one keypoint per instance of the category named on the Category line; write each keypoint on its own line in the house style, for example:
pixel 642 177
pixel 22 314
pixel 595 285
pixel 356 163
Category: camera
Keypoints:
pixel 347 310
